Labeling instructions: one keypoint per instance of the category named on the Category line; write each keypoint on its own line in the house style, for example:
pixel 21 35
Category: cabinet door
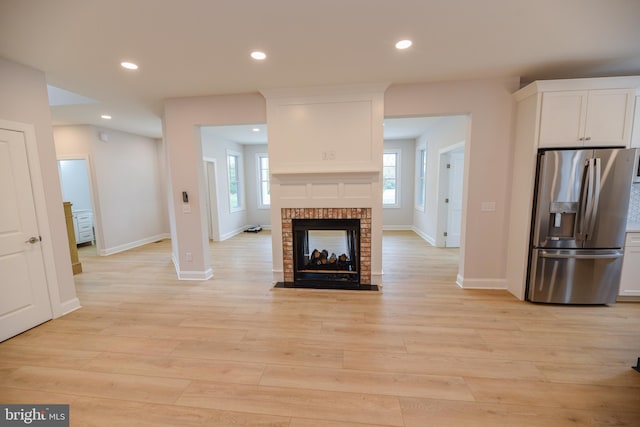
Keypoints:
pixel 629 283
pixel 609 117
pixel 562 119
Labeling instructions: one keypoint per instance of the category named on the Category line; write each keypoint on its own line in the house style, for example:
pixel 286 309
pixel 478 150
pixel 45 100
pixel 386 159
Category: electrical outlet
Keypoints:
pixel 488 206
pixel 328 155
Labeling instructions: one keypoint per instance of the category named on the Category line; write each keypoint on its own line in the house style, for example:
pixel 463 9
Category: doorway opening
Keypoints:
pixel 75 183
pixel 235 178
pixel 431 203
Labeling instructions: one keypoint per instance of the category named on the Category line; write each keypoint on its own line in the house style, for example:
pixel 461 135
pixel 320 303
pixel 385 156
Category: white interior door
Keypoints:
pixel 454 207
pixel 25 298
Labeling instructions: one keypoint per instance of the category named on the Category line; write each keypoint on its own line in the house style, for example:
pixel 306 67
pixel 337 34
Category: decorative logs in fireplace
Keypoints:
pixel 321 260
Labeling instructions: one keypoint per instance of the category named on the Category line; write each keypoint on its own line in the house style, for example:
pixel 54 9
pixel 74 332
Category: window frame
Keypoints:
pixel 421 179
pixel 260 181
pixel 239 181
pixel 398 172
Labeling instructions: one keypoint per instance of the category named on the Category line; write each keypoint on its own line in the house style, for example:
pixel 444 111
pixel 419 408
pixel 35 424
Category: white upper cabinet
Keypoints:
pixel 586 118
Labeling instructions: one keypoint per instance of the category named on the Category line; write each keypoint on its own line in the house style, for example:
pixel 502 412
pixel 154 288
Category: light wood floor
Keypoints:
pixel 149 350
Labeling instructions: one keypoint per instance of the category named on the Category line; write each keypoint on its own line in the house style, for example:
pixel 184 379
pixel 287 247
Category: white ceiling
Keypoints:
pixel 201 47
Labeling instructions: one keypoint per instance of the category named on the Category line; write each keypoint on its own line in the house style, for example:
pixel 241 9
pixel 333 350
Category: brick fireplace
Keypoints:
pixel 288 216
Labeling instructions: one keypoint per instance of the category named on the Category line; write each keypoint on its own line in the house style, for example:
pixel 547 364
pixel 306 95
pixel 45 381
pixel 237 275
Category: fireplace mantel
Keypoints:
pixel 311 174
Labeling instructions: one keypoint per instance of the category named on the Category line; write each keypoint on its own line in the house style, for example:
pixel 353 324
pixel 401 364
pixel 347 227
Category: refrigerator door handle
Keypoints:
pixel 611 255
pixel 597 167
pixel 586 200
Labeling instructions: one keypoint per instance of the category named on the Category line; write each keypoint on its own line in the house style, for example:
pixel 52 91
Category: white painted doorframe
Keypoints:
pixel 210 175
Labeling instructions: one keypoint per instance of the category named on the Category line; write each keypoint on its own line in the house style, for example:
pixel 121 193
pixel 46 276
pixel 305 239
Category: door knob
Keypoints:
pixel 33 240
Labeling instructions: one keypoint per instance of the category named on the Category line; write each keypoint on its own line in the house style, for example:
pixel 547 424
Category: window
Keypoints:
pixel 264 192
pixel 421 172
pixel 236 193
pixel 390 180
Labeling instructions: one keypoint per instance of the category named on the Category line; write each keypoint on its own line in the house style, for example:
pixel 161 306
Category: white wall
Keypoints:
pixel 127 177
pixel 24 99
pixel 401 217
pixel 447 131
pixel 230 223
pixel 488 153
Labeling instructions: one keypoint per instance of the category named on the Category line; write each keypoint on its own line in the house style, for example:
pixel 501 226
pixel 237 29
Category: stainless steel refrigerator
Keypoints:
pixel 579 221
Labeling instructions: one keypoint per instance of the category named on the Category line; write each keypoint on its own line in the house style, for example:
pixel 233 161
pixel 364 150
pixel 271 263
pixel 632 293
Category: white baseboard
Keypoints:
pixel 424 235
pixel 481 283
pixel 68 306
pixel 235 232
pixel 131 245
pixel 376 278
pixel 397 227
pixel 195 275
pixel 191 275
pixel 278 276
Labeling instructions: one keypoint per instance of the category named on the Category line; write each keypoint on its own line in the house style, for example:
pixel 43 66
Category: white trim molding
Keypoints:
pixel 191 275
pixel 69 306
pixel 481 283
pixel 424 235
pixel 131 245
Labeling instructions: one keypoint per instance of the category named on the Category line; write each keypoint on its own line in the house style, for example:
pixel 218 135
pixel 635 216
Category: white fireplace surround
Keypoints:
pixel 325 151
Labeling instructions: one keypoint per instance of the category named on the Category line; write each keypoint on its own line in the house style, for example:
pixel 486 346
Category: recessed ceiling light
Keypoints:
pixel 256 129
pixel 256 54
pixel 106 116
pixel 129 65
pixel 403 44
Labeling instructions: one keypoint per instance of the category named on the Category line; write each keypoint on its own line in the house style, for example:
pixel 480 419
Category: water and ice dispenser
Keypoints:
pixel 562 221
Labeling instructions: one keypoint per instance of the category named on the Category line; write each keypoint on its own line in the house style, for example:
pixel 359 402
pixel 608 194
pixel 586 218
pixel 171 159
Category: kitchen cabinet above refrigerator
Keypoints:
pixel 593 118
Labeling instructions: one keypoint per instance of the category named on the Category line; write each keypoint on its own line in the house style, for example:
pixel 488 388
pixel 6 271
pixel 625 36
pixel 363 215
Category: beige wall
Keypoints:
pixel 487 167
pixel 24 99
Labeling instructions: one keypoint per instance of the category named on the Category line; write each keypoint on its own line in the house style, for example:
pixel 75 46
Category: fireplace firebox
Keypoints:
pixel 326 250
